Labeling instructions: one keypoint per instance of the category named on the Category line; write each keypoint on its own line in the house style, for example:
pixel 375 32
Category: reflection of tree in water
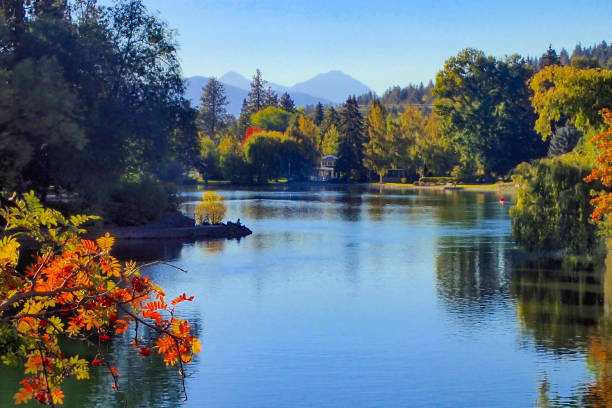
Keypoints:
pixel 471 274
pixel 558 306
pixel 212 246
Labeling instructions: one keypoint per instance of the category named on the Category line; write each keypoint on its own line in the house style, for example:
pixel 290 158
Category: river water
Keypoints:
pixel 353 297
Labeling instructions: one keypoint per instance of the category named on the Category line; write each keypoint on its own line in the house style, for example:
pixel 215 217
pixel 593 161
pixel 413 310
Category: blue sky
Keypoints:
pixel 381 43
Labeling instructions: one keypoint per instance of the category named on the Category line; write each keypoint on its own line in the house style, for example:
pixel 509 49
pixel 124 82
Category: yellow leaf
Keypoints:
pixel 106 242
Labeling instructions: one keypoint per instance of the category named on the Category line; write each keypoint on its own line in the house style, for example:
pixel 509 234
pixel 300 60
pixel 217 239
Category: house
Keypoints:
pixel 327 169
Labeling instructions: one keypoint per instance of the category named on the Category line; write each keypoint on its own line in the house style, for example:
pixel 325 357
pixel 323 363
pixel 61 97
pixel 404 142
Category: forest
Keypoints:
pixel 93 109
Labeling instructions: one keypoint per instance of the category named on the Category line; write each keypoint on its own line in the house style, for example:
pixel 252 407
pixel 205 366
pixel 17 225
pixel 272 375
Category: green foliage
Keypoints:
pixel 208 164
pixel 264 154
pixel 272 118
pixel 553 210
pixel 95 94
pixel 233 163
pixel 464 173
pixel 576 94
pixel 485 110
pixel 352 139
pixel 137 200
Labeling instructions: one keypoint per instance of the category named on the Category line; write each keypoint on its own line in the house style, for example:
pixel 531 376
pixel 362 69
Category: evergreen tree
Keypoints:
pixel 257 95
pixel 286 103
pixel 350 149
pixel 318 117
pixel 212 117
pixel 271 98
pixel 564 58
pixel 550 58
pixel 244 120
pixel 331 118
pixel 564 140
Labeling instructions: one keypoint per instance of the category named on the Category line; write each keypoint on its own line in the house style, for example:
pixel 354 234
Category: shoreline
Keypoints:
pixel 216 231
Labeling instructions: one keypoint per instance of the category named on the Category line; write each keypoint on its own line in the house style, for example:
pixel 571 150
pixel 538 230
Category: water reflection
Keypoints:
pixel 558 306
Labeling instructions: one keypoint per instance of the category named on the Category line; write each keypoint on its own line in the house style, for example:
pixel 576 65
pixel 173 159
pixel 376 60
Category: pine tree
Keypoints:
pixel 212 116
pixel 257 95
pixel 318 118
pixel 564 140
pixel 331 118
pixel 352 139
pixel 286 103
pixel 564 58
pixel 271 98
pixel 244 120
pixel 550 58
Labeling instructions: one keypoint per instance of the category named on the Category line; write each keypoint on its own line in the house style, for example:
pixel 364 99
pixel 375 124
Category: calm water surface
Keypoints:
pixel 346 297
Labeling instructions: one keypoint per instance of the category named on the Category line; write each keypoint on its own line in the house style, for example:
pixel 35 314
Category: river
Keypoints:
pixel 355 297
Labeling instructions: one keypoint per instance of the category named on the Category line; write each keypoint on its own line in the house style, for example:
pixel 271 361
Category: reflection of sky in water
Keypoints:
pixel 343 297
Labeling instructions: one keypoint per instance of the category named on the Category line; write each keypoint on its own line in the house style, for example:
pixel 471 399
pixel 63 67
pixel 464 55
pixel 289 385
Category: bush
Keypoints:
pixel 463 173
pixel 553 210
pixel 137 201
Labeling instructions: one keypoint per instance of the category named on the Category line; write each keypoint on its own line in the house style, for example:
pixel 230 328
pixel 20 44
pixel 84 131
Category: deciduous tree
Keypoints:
pixel 74 290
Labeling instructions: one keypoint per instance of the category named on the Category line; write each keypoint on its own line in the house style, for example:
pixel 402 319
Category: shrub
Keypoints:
pixel 137 201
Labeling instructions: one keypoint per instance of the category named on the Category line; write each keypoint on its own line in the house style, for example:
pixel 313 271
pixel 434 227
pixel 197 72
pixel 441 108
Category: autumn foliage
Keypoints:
pixel 250 132
pixel 603 173
pixel 75 289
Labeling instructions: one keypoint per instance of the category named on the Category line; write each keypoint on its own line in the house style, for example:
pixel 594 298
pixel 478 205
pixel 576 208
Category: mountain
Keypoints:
pixel 235 94
pixel 334 85
pixel 235 79
pixel 331 88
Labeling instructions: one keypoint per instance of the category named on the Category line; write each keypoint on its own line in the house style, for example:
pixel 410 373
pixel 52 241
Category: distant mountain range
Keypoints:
pixel 331 88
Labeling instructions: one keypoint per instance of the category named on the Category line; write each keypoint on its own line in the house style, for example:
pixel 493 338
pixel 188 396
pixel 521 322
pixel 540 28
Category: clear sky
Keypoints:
pixel 381 43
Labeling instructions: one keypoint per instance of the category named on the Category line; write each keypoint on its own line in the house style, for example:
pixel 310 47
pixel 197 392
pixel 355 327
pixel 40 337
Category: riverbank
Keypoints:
pixel 469 187
pixel 229 230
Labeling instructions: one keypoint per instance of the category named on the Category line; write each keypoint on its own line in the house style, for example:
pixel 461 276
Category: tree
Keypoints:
pixel 575 94
pixel 564 140
pixel 272 118
pixel 208 161
pixel 74 290
pixel 213 115
pixel 549 58
pixel 244 120
pixel 330 141
pixel 264 154
pixel 271 97
pixel 318 117
pixel 330 118
pixel 257 94
pixel 286 103
pixel 211 208
pixel 603 172
pixel 379 149
pixel 233 163
pixel 352 139
pixel 118 76
pixel 484 107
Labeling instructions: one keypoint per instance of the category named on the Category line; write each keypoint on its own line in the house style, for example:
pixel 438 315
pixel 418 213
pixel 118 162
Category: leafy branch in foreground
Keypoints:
pixel 75 289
